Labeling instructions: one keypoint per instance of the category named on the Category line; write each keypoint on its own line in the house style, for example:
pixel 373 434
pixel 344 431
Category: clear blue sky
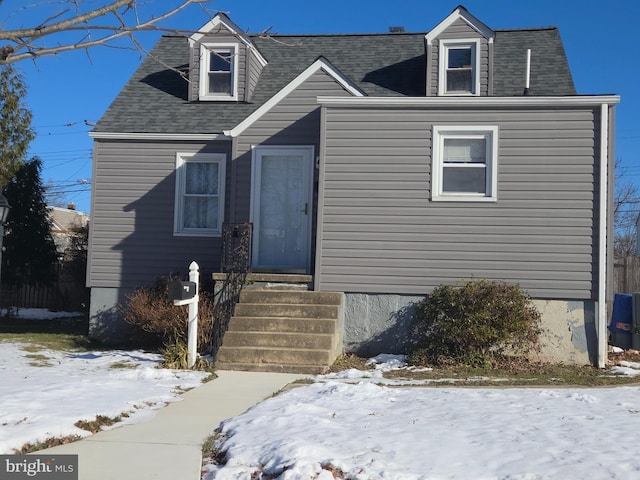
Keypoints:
pixel 68 89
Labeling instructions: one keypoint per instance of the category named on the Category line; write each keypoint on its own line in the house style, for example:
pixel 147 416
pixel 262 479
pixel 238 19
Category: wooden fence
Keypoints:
pixel 626 275
pixel 60 296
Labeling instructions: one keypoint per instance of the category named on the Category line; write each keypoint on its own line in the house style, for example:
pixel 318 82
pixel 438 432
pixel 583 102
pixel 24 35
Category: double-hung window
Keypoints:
pixel 465 163
pixel 200 181
pixel 218 72
pixel 459 68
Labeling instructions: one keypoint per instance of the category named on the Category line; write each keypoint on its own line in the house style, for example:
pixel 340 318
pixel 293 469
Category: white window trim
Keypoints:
pixel 203 93
pixel 181 160
pixel 490 132
pixel 475 67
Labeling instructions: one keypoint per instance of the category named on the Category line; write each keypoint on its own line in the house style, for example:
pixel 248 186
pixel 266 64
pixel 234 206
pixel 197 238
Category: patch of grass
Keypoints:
pixel 54 341
pixel 124 365
pixel 95 426
pixel 39 360
pixel 207 446
pixel 514 373
pixel 37 356
pixel 31 348
pixel 65 333
pixel 176 357
pixel 347 361
pixel 48 443
pixel 211 453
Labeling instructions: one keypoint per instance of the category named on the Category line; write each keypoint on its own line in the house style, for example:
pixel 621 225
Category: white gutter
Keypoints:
pixel 207 137
pixel 467 101
pixel 602 237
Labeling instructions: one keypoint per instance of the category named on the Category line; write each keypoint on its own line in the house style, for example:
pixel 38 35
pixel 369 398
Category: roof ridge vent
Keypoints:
pixel 399 29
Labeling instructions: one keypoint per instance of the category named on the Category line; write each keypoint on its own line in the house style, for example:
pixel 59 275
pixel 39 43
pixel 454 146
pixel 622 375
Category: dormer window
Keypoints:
pixel 459 68
pixel 218 72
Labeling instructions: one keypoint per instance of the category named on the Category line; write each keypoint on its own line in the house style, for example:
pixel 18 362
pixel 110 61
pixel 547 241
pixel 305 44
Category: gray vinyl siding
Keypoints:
pixel 223 36
pixel 253 68
pixel 379 231
pixel 132 239
pixel 460 30
pixel 293 121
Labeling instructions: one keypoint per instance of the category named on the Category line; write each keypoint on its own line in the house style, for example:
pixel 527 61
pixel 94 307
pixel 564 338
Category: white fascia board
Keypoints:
pixel 472 21
pixel 319 64
pixel 208 137
pixel 583 100
pixel 198 37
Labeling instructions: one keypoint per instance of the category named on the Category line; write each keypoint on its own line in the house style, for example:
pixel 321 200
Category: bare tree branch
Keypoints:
pixel 63 25
pixel 25 43
pixel 626 198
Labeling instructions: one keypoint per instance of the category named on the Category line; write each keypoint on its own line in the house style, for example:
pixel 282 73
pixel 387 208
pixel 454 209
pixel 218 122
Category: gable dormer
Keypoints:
pixel 224 64
pixel 459 56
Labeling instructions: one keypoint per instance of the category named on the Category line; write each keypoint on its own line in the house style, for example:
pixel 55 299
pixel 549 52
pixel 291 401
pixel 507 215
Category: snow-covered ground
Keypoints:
pixel 43 393
pixel 345 425
pixel 348 426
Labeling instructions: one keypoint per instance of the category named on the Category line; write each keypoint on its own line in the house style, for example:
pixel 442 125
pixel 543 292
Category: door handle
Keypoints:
pixel 306 208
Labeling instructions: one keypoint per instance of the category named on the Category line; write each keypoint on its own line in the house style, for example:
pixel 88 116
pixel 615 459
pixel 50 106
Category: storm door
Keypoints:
pixel 281 208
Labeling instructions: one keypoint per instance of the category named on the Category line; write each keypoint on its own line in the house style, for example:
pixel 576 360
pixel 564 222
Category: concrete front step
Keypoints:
pixel 272 367
pixel 283 330
pixel 278 356
pixel 304 297
pixel 282 324
pixel 315 341
pixel 286 310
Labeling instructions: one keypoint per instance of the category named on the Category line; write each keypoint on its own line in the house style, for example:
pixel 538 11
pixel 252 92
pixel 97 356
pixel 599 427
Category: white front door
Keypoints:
pixel 281 207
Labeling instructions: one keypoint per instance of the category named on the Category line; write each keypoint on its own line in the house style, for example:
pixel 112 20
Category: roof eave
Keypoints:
pixel 524 101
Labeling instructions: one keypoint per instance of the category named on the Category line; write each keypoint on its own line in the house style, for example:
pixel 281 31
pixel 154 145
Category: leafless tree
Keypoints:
pixel 625 210
pixel 71 26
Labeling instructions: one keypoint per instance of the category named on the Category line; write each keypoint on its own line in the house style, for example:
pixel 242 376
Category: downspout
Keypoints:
pixel 527 74
pixel 602 238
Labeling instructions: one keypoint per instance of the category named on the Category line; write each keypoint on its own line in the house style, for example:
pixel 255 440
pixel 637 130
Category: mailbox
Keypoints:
pixel 179 290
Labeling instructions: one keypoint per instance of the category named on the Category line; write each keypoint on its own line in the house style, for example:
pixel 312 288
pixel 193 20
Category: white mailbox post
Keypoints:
pixel 192 341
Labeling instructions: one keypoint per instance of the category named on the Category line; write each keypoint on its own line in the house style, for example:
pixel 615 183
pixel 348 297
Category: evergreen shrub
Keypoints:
pixel 475 324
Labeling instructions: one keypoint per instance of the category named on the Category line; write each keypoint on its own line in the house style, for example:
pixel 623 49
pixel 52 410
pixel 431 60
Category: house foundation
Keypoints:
pixel 105 321
pixel 378 323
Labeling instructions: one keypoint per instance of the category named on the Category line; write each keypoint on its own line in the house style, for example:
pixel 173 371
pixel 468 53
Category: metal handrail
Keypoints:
pixel 236 263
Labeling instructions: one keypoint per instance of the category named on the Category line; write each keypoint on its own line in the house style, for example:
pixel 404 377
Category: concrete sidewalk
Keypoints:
pixel 169 445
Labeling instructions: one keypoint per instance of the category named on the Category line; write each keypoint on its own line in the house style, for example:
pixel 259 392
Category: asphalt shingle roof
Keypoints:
pixel 154 100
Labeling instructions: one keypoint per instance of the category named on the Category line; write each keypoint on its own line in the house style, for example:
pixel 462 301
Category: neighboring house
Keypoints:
pixel 383 165
pixel 64 222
